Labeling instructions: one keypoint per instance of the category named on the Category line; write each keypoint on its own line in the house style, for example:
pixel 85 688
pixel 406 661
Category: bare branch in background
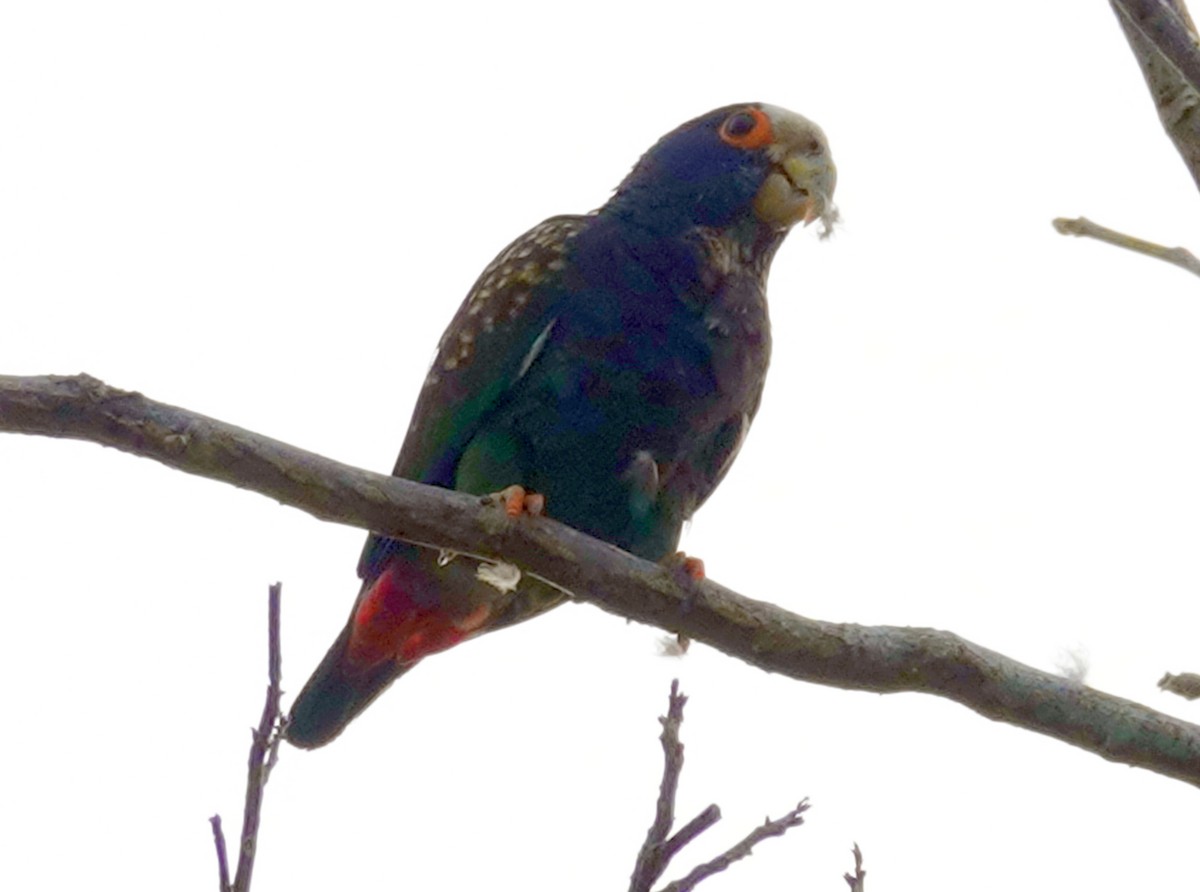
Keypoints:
pixel 1163 40
pixel 222 854
pixel 1082 226
pixel 857 881
pixel 883 659
pixel 766 830
pixel 658 850
pixel 1185 684
pixel 264 752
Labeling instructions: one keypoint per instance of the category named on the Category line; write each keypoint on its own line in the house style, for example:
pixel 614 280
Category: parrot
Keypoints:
pixel 605 367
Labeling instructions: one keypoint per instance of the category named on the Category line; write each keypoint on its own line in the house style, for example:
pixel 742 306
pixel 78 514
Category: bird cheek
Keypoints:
pixel 779 204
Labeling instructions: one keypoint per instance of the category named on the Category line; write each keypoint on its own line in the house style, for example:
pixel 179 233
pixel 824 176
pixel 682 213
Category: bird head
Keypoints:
pixel 743 164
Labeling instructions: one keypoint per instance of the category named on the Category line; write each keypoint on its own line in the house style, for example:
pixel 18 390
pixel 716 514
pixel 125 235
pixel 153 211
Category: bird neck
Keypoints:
pixel 653 248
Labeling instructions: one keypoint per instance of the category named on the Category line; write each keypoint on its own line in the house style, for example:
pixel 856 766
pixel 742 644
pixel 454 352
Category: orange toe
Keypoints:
pixel 692 566
pixel 518 500
pixel 514 500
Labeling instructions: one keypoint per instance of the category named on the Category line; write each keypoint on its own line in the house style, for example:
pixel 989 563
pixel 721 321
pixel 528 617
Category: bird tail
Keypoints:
pixel 336 693
pixel 398 619
pixel 414 606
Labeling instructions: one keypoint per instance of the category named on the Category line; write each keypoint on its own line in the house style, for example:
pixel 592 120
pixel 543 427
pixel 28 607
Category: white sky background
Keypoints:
pixel 267 213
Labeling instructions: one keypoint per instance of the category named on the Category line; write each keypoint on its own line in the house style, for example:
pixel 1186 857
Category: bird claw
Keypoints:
pixel 692 567
pixel 517 501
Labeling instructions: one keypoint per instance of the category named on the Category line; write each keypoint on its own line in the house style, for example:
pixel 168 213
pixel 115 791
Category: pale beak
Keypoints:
pixel 800 186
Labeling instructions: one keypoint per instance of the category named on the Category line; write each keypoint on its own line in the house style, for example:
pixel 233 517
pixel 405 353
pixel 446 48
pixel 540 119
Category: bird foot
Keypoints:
pixel 517 501
pixel 692 567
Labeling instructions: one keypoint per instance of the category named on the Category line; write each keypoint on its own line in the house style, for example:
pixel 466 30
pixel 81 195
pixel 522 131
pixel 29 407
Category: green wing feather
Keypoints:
pixel 484 351
pixel 484 348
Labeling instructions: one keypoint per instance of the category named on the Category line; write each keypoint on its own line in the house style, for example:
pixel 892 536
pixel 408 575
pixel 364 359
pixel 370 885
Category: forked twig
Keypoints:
pixel 658 849
pixel 766 830
pixel 857 881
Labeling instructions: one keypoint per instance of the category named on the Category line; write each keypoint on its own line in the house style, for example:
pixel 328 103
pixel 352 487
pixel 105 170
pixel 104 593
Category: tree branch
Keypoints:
pixel 657 851
pixel 264 752
pixel 1082 226
pixel 1162 37
pixel 737 852
pixel 883 659
pixel 222 854
pixel 857 881
pixel 1185 685
pixel 689 831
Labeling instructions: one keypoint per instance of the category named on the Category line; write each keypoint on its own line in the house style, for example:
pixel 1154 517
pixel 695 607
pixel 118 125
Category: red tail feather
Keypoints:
pixel 393 622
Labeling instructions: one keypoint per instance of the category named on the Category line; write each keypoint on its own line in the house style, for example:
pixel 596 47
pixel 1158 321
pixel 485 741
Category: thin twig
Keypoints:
pixel 770 828
pixel 222 855
pixel 664 814
pixel 690 831
pixel 264 753
pixel 857 880
pixel 264 749
pixel 656 852
pixel 1185 684
pixel 882 659
pixel 1082 226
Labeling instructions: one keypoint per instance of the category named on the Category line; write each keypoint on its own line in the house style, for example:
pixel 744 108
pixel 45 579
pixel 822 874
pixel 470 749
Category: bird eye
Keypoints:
pixel 740 124
pixel 746 129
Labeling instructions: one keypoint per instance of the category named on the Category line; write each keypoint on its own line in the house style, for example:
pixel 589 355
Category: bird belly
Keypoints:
pixel 625 432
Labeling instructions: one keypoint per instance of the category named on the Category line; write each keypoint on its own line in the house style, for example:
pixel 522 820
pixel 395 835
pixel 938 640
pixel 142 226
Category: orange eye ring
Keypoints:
pixel 749 128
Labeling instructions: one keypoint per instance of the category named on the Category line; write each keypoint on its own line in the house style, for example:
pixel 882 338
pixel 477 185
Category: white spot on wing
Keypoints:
pixel 538 344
